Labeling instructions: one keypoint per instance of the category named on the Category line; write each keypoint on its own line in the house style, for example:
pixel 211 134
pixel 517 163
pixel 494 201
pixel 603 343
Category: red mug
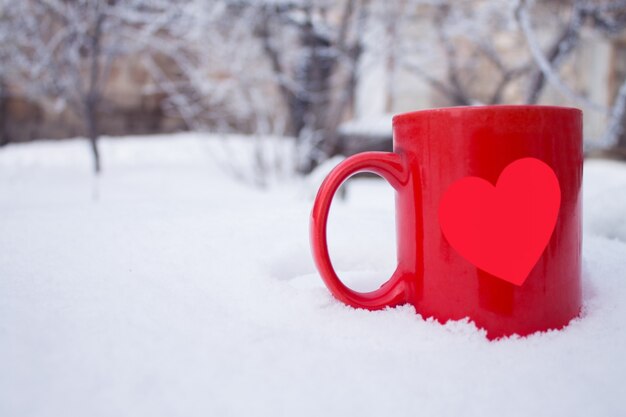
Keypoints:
pixel 488 217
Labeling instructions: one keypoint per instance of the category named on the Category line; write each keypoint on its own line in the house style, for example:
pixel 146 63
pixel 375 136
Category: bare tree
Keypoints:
pixel 548 64
pixel 607 18
pixel 455 47
pixel 66 50
pixel 211 66
pixel 265 67
pixel 319 73
pixel 492 53
pixel 63 56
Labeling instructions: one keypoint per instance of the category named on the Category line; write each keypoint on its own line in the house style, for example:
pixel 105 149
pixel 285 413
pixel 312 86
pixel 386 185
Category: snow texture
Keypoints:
pixel 165 288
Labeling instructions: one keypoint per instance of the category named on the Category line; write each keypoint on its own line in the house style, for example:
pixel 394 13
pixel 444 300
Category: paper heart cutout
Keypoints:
pixel 503 230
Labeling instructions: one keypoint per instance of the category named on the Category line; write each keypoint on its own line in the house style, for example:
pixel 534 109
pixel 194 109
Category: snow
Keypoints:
pixel 371 126
pixel 166 288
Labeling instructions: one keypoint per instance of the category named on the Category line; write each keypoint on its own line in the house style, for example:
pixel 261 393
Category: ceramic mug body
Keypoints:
pixel 448 277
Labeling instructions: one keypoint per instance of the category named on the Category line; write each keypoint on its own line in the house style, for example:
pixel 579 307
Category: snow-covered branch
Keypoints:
pixel 565 43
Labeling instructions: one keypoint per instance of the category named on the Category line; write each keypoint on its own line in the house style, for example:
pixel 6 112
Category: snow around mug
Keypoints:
pixel 488 216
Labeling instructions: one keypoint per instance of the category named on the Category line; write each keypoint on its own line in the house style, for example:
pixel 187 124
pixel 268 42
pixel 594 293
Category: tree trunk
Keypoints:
pixel 92 98
pixel 4 138
pixel 345 103
pixel 621 143
pixel 310 106
pixel 91 120
pixel 311 109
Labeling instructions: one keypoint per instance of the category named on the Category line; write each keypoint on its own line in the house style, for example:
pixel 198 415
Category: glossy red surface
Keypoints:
pixel 432 150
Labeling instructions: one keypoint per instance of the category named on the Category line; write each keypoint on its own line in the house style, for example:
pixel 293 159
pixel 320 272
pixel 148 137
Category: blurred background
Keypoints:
pixel 320 77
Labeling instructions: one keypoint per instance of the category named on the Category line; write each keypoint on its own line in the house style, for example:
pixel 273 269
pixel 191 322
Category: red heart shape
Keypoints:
pixel 503 230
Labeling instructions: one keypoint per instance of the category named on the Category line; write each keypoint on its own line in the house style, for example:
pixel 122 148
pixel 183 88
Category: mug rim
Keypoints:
pixel 408 116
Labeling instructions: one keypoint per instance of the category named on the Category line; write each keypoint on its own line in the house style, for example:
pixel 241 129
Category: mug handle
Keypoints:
pixel 388 165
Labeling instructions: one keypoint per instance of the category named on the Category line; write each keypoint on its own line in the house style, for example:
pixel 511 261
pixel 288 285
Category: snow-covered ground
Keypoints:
pixel 166 288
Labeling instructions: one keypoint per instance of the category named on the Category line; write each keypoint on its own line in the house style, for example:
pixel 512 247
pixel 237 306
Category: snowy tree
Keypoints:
pixel 497 52
pixel 608 18
pixel 467 51
pixel 268 67
pixel 65 50
pixel 322 68
pixel 211 67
